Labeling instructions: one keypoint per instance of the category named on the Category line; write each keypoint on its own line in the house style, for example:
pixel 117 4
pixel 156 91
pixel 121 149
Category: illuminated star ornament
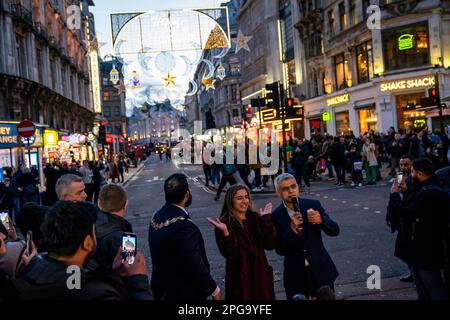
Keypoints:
pixel 209 83
pixel 242 42
pixel 170 80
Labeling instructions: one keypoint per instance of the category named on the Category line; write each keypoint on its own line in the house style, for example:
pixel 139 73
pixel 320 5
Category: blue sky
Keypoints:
pixel 103 8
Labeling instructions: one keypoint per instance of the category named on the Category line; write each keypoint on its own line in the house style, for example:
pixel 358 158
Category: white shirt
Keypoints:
pixel 291 213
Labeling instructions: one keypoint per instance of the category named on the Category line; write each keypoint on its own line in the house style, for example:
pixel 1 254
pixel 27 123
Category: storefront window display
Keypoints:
pixel 367 119
pixel 317 126
pixel 408 117
pixel 406 46
pixel 342 123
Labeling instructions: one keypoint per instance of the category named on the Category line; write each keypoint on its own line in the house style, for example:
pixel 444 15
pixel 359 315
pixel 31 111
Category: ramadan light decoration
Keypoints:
pixel 220 72
pixel 170 80
pixel 160 52
pixel 114 75
pixel 242 42
pixel 209 83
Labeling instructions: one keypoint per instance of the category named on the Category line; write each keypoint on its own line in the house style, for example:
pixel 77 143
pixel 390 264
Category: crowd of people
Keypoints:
pixel 38 258
pixel 347 157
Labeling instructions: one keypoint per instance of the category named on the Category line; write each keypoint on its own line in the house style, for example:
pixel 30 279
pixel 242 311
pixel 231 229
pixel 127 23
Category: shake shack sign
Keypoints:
pixel 408 84
pixel 8 135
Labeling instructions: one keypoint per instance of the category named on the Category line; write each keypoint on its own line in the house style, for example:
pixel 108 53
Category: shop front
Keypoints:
pixel 367 117
pixel 8 145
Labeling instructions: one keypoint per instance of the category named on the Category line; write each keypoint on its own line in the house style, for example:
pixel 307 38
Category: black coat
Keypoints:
pixel 180 267
pixel 425 214
pixel 295 248
pixel 109 229
pixel 46 279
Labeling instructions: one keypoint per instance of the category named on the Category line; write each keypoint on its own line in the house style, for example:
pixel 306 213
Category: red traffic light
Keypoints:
pixel 433 92
pixel 290 102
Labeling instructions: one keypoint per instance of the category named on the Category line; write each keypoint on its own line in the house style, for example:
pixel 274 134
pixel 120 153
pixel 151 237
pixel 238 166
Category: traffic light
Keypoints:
pixel 433 94
pixel 102 134
pixel 273 95
pixel 289 103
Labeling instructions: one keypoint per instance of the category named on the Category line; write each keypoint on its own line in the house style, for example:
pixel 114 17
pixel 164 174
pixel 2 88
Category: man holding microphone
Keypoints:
pixel 299 224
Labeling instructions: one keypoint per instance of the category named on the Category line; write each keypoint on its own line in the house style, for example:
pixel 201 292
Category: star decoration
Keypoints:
pixel 170 80
pixel 120 87
pixel 242 42
pixel 209 83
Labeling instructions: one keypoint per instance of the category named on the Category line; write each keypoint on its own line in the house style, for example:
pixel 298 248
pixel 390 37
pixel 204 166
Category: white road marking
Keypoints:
pixel 325 197
pixel 356 205
pixel 377 211
pixel 344 202
pixel 366 208
pixel 334 199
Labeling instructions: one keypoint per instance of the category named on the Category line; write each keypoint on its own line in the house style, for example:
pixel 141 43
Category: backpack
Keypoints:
pixel 228 169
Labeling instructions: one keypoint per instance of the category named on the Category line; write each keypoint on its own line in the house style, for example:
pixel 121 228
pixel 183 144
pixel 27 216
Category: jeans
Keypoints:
pixel 330 169
pixel 215 175
pixel 429 284
pixel 340 172
pixel 223 182
pixel 301 172
pixel 207 172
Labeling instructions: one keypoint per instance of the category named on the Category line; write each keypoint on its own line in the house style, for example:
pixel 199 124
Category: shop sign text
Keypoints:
pixel 408 84
pixel 338 100
pixel 8 135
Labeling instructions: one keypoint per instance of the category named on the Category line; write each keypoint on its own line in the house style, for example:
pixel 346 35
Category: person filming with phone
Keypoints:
pixel 401 187
pixel 299 223
pixel 69 233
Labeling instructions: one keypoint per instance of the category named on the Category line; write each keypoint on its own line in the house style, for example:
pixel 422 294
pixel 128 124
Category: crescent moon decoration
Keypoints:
pixel 194 88
pixel 188 66
pixel 142 58
pixel 222 53
pixel 211 69
pixel 199 53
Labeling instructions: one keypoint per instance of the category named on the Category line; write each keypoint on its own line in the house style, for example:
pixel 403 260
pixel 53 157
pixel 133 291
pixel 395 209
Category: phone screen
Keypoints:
pixel 129 244
pixel 399 178
pixel 5 219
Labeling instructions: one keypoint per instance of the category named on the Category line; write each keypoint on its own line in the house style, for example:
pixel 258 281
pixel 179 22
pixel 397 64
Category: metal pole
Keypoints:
pixel 441 118
pixel 29 152
pixel 283 114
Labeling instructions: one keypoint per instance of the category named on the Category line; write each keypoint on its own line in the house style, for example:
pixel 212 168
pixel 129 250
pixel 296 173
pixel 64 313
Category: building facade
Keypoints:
pixel 45 71
pixel 366 76
pixel 113 105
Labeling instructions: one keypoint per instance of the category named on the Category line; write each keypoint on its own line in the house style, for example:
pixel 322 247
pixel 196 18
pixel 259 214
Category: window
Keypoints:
pixel 21 58
pixel 331 22
pixel 353 13
pixel 107 111
pixel 365 5
pixel 341 71
pixel 234 92
pixel 105 81
pixel 235 112
pixel 364 57
pixel 313 45
pixel 39 66
pixel 406 47
pixel 287 30
pixel 106 96
pixel 367 119
pixel 342 123
pixel 235 69
pixel 117 111
pixel 342 16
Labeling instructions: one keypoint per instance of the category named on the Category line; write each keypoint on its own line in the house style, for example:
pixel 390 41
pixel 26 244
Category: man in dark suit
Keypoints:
pixel 180 266
pixel 307 265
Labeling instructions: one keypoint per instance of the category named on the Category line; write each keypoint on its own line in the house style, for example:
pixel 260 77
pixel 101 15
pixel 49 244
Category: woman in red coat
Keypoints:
pixel 242 235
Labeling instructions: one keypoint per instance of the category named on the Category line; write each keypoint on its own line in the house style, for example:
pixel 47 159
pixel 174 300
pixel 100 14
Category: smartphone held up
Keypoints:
pixel 129 246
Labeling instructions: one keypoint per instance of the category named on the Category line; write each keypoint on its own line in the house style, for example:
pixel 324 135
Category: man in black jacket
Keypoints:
pixel 425 213
pixel 66 273
pixel 180 266
pixel 111 224
pixel 307 264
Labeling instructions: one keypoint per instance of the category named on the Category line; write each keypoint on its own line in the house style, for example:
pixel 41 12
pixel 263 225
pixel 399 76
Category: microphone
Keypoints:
pixel 325 293
pixel 294 202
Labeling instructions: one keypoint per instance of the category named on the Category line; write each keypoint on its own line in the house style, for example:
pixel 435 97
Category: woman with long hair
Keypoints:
pixel 242 235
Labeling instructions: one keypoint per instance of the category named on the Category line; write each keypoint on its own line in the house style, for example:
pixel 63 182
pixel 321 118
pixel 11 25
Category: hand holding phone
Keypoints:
pixel 30 244
pixel 4 218
pixel 399 177
pixel 129 246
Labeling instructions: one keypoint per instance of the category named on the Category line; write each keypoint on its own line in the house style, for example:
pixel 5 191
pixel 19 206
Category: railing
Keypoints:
pixel 41 30
pixel 22 13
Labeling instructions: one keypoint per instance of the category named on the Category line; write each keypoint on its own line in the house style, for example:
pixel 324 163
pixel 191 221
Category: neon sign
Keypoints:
pixel 405 41
pixel 338 100
pixel 407 84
